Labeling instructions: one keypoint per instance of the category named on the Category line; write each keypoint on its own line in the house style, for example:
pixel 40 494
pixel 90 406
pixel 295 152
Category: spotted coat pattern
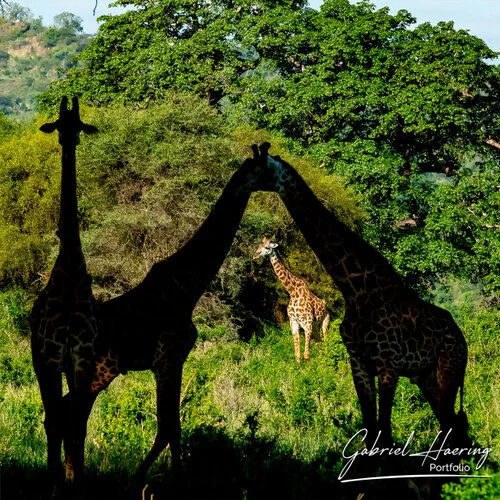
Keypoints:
pixel 63 320
pixel 388 330
pixel 305 310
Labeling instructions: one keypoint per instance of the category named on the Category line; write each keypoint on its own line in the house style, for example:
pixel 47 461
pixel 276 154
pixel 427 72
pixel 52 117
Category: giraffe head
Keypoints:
pixel 264 172
pixel 68 124
pixel 265 248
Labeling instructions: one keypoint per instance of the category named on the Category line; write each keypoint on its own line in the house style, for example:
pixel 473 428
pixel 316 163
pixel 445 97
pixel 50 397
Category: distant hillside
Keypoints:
pixel 31 56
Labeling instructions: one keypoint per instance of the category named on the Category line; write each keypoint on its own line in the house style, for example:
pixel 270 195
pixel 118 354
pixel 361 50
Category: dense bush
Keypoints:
pixel 146 182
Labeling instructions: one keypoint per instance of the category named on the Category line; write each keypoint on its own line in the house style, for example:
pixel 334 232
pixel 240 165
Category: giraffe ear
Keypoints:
pixel 48 127
pixel 89 129
pixel 273 245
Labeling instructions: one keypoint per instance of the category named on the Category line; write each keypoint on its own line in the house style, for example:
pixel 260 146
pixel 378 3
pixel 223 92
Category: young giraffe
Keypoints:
pixel 62 319
pixel 305 309
pixel 387 329
pixel 150 327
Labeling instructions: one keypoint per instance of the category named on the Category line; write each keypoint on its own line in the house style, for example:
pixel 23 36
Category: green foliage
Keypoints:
pixel 125 420
pixel 423 94
pixel 15 355
pixel 456 231
pixel 366 75
pixel 13 305
pixel 7 127
pixel 249 413
pixel 136 177
pixel 32 55
pixel 68 23
pixel 471 489
pixel 388 109
pixel 177 45
pixel 16 12
pixel 29 171
pixel 394 108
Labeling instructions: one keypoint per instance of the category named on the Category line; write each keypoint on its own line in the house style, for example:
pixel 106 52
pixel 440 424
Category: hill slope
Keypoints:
pixel 31 56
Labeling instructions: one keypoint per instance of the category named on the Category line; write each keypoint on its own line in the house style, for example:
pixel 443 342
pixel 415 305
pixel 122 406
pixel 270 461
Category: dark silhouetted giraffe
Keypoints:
pixel 388 330
pixel 63 316
pixel 305 310
pixel 150 327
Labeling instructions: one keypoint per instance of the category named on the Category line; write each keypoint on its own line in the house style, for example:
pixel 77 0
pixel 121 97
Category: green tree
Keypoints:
pixel 352 73
pixel 348 73
pixel 170 44
pixel 16 12
pixel 395 109
pixel 68 23
pixel 145 184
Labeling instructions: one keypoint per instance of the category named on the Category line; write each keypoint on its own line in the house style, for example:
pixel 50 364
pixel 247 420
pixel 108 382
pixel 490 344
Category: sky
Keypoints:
pixel 480 17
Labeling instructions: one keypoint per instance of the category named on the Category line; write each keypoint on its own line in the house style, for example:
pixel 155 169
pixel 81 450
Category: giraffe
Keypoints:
pixel 150 327
pixel 304 309
pixel 388 330
pixel 63 315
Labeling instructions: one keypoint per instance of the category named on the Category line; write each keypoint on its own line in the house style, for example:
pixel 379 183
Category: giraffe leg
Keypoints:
pixel 79 405
pixel 80 399
pixel 325 325
pixel 365 389
pixel 51 391
pixel 443 402
pixel 307 334
pixel 387 382
pixel 441 395
pixel 168 389
pixel 168 373
pixel 296 338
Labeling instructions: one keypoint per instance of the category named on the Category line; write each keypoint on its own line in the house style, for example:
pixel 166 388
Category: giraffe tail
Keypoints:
pixel 461 421
pixel 461 398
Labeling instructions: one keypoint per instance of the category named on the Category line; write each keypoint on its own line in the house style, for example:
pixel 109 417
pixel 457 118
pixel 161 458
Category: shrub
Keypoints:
pixel 146 182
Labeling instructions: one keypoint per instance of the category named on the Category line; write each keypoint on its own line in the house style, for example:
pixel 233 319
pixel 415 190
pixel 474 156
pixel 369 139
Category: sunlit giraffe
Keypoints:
pixel 305 310
pixel 388 330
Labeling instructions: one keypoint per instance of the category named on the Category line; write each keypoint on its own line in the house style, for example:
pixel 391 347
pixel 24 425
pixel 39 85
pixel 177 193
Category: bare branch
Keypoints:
pixel 2 6
pixel 493 143
pixel 487 226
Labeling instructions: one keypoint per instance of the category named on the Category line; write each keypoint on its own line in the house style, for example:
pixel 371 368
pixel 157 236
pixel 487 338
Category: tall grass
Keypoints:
pixel 255 423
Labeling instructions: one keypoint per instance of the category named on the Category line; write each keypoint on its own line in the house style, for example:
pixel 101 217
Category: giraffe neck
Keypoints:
pixel 68 218
pixel 191 268
pixel 286 277
pixel 354 265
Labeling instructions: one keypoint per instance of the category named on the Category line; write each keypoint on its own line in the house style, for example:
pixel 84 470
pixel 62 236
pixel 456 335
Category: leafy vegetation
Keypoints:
pixel 32 56
pixel 402 112
pixel 252 418
pixel 144 169
pixel 387 121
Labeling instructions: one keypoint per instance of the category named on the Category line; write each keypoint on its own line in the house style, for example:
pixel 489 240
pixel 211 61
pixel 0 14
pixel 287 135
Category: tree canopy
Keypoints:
pixel 398 110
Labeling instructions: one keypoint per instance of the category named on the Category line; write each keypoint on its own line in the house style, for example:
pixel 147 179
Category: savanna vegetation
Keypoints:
pixel 33 55
pixel 390 123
